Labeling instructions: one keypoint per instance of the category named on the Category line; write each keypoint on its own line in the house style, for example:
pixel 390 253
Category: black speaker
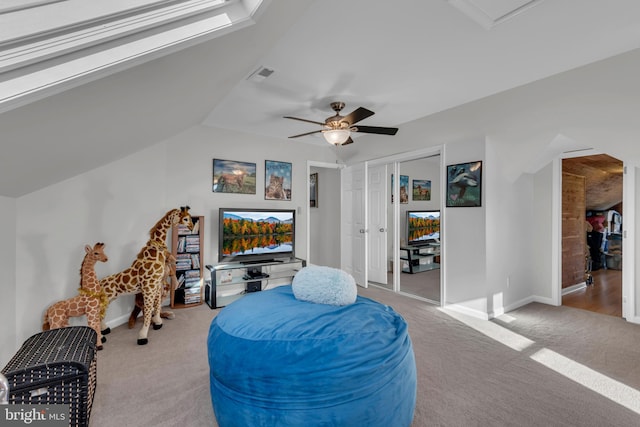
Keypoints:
pixel 254 286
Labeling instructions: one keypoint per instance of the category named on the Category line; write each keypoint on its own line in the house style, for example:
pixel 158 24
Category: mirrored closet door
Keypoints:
pixel 419 227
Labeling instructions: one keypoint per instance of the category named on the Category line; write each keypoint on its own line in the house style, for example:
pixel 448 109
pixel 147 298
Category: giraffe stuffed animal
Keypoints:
pixel 169 274
pixel 147 272
pixel 90 301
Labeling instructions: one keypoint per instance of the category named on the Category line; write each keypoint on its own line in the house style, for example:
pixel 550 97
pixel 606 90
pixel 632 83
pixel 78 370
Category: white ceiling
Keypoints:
pixel 405 60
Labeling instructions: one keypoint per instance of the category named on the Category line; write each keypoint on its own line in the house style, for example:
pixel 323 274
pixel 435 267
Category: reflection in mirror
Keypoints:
pixel 419 237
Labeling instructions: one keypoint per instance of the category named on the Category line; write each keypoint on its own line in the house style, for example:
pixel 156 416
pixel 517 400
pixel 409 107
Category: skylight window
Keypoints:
pixel 80 41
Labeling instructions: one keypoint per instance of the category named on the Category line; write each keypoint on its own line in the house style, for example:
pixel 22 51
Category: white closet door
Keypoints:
pixel 377 223
pixel 353 223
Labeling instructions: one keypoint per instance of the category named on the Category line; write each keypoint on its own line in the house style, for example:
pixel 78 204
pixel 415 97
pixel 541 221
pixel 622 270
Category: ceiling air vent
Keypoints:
pixel 260 74
pixel 490 13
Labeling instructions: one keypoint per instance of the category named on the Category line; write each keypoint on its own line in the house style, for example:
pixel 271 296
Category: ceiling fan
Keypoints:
pixel 337 129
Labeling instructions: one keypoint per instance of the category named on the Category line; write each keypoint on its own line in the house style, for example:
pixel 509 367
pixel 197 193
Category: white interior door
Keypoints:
pixel 377 223
pixel 353 223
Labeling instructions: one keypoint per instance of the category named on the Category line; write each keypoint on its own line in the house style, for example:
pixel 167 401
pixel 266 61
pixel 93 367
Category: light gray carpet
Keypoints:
pixel 163 383
pixel 465 378
pixel 425 284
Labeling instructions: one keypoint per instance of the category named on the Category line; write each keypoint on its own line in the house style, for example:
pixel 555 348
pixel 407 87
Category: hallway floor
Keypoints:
pixel 604 296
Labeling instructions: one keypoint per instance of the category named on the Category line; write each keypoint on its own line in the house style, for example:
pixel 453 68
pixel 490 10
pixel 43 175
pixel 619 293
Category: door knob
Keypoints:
pixel 382 230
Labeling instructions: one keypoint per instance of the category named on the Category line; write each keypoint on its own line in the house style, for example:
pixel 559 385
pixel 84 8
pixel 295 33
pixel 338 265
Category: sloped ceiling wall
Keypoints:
pixel 603 175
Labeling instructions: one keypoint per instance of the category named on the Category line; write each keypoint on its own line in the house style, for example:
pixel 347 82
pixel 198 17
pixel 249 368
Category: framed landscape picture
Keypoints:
pixel 277 180
pixel 464 185
pixel 230 176
pixel 421 189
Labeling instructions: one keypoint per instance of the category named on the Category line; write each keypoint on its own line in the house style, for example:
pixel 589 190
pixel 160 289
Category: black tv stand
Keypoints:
pixel 413 254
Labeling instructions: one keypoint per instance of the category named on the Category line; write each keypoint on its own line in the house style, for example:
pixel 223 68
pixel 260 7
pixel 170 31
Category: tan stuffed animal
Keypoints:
pixel 169 273
pixel 90 301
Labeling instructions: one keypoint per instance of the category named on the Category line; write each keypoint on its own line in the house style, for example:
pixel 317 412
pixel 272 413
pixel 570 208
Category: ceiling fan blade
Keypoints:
pixel 304 134
pixel 377 129
pixel 358 114
pixel 304 120
pixel 348 141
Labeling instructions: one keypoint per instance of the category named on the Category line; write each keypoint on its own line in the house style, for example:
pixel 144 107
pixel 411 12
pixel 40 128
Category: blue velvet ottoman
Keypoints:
pixel 278 361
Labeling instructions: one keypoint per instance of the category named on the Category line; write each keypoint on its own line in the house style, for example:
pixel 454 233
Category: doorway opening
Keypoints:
pixel 323 225
pixel 592 189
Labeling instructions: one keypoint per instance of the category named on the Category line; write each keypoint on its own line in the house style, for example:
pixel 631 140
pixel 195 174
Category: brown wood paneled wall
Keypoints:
pixel 574 239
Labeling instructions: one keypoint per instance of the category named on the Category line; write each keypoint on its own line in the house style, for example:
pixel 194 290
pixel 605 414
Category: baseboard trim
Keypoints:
pixel 466 310
pixel 113 323
pixel 497 313
pixel 635 320
pixel 518 304
pixel 574 288
pixel 543 300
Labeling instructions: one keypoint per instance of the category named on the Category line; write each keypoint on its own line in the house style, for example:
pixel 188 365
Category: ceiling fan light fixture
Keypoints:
pixel 336 136
pixel 337 129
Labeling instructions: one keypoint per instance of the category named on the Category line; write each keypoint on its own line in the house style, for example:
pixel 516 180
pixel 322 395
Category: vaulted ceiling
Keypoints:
pixel 405 60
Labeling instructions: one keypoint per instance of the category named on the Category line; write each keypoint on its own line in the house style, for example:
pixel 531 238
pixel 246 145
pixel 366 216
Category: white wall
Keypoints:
pixel 324 230
pixel 542 240
pixel 116 204
pixel 465 240
pixel 189 170
pixel 489 257
pixel 509 233
pixel 119 203
pixel 7 285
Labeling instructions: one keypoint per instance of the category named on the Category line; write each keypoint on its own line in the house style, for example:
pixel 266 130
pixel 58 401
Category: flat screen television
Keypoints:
pixel 423 227
pixel 256 235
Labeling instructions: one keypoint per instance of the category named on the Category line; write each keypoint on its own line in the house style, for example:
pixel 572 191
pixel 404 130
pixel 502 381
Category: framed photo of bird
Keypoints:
pixel 464 184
